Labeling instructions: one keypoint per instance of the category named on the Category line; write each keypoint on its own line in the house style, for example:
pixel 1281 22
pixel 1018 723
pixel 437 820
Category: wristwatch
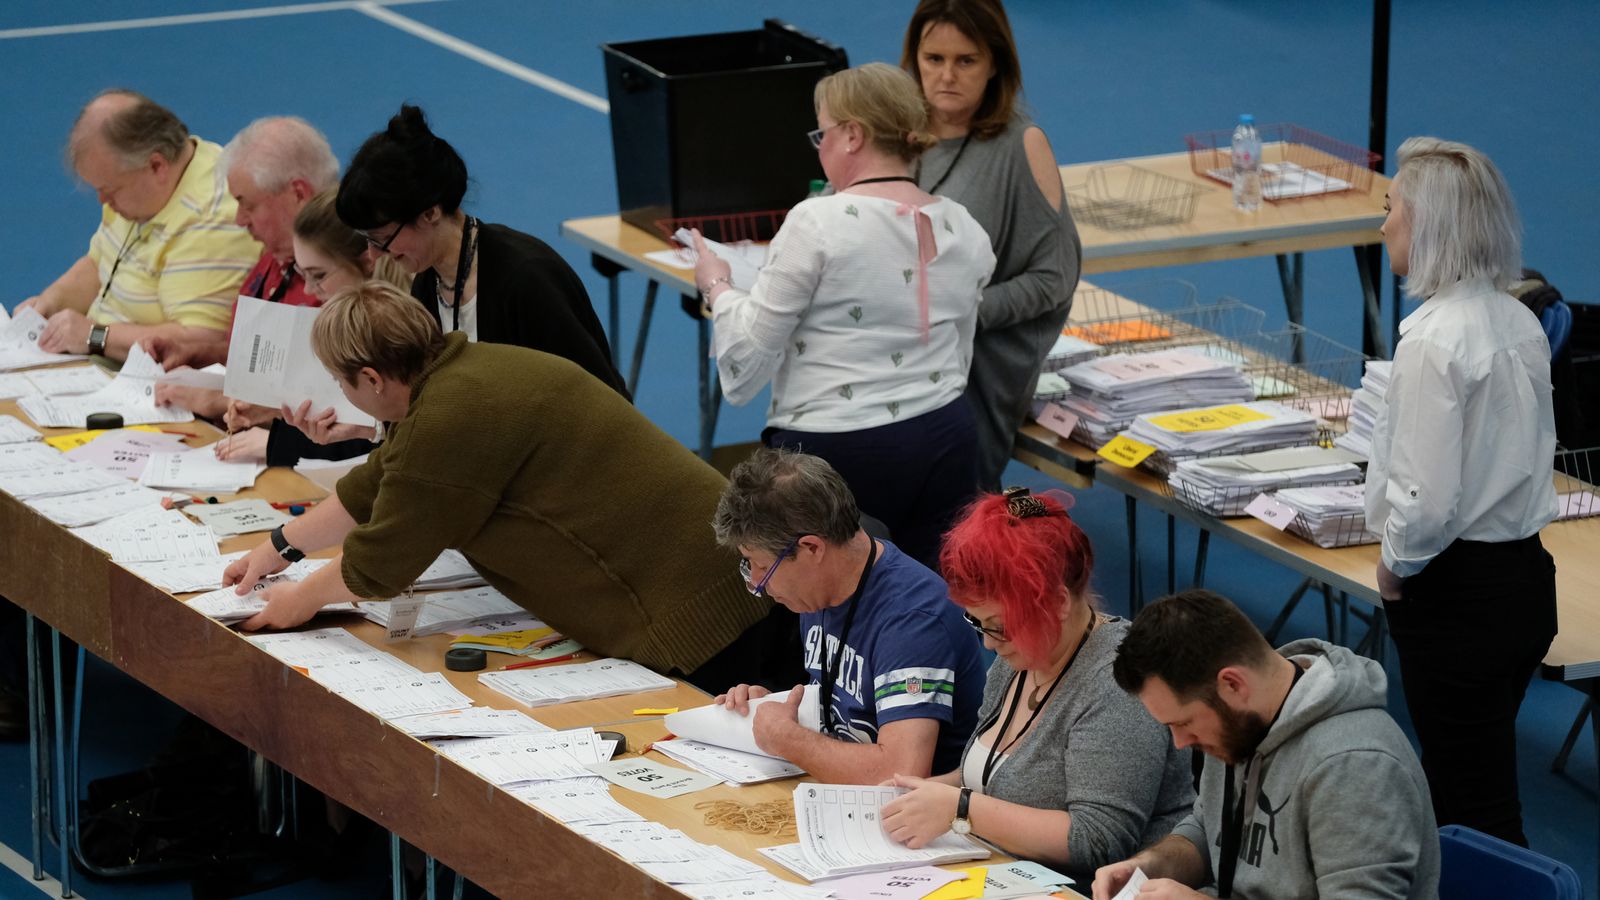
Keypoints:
pixel 961 824
pixel 97 339
pixel 284 548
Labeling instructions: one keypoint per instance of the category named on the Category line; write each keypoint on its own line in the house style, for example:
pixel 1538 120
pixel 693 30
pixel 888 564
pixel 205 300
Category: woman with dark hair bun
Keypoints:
pixel 403 193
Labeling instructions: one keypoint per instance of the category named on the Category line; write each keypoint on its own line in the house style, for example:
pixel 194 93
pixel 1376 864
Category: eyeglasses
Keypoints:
pixel 815 135
pixel 998 634
pixel 759 588
pixel 383 246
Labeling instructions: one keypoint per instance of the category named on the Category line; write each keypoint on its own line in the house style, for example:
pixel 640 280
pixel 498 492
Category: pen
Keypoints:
pixel 178 433
pixel 540 662
pixel 289 504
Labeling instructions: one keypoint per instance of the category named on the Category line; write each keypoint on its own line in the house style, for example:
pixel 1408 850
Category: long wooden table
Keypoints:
pixel 358 759
pixel 1286 230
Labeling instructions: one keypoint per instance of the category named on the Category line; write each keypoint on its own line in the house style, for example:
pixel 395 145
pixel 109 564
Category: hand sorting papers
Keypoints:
pixel 270 361
pixel 448 610
pixel 841 832
pixel 716 724
pixel 131 395
pixel 200 471
pixel 19 343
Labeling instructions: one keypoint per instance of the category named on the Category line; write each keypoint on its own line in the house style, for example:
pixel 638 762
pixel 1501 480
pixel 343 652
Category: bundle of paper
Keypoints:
pixel 450 571
pixel 575 801
pixel 841 833
pixel 131 395
pixel 1332 516
pixel 449 610
pixel 64 477
pixel 1051 386
pixel 744 259
pixel 1365 406
pixel 154 534
pixel 732 766
pixel 1224 485
pixel 582 681
pixel 1069 350
pixel 670 855
pixel 1234 428
pixel 718 725
pixel 200 471
pixel 19 343
pixel 184 576
pixel 89 507
pixel 23 456
pixel 52 382
pixel 229 608
pixel 126 451
pixel 1109 392
pixel 476 722
pixel 520 758
pixel 14 431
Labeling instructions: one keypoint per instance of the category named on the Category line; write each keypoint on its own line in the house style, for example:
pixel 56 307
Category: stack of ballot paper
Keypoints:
pixel 731 766
pixel 1051 387
pixel 53 382
pixel 716 724
pixel 1224 485
pixel 1109 392
pixel 520 758
pixel 476 722
pixel 200 471
pixel 14 431
pixel 1069 350
pixel 89 507
pixel 154 535
pixel 126 451
pixel 583 681
pixel 744 259
pixel 183 576
pixel 228 607
pixel 1235 428
pixel 1365 405
pixel 575 801
pixel 841 833
pixel 450 570
pixel 131 395
pixel 65 476
pixel 674 857
pixel 1329 516
pixel 449 610
pixel 19 343
pixel 21 456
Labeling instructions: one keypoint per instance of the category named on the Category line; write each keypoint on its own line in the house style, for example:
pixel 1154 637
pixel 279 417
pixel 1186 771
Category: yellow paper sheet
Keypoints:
pixel 1215 418
pixel 1125 451
pixel 65 442
pixel 966 888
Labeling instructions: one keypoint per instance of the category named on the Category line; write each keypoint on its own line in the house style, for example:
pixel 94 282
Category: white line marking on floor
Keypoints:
pixel 23 866
pixel 260 12
pixel 479 55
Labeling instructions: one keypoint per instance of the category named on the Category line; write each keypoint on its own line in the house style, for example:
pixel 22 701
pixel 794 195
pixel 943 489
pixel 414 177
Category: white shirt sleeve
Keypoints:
pixel 751 330
pixel 1426 430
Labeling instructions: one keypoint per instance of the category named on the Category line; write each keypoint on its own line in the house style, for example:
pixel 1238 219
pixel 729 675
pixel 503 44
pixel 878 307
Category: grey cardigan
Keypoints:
pixel 1095 753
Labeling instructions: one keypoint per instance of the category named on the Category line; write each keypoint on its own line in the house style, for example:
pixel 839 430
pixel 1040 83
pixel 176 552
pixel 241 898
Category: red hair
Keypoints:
pixel 992 555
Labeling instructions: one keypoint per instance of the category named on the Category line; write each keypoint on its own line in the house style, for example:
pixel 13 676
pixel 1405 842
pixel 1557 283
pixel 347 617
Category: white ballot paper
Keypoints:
pixel 270 362
pixel 210 378
pixel 653 778
pixel 76 380
pixel 476 722
pixel 89 507
pixel 180 576
pixel 715 724
pixel 131 395
pixel 585 801
pixel 1135 884
pixel 744 260
pixel 519 758
pixel 154 535
pixel 65 477
pixel 325 473
pixel 579 681
pixel 19 343
pixel 14 431
pixel 198 470
pixel 841 832
pixel 731 766
pixel 21 457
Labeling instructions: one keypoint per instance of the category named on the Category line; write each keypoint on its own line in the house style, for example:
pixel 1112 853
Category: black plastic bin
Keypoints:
pixel 715 124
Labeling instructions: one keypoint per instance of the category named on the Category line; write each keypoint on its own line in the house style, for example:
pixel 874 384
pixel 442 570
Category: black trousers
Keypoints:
pixel 913 476
pixel 1471 629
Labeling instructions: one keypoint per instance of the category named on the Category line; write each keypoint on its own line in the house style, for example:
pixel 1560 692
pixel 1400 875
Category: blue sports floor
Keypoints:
pixel 1105 80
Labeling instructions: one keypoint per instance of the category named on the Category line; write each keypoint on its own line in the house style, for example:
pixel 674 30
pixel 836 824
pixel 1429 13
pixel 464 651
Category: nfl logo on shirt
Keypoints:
pixel 913 685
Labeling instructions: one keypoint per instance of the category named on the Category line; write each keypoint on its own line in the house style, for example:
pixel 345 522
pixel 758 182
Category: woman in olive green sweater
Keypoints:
pixel 565 498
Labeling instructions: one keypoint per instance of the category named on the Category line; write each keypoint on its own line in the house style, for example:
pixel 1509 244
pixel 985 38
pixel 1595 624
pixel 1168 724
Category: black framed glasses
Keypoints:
pixel 998 634
pixel 383 245
pixel 760 587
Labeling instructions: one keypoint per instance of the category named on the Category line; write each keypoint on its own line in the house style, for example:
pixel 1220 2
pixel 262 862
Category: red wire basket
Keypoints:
pixel 1296 163
pixel 728 228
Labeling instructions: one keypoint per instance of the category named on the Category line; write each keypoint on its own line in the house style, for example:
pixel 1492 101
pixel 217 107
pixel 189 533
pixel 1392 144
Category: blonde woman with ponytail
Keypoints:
pixel 862 318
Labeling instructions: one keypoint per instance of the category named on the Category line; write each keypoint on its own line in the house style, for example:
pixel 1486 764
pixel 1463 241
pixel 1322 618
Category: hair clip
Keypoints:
pixel 1021 503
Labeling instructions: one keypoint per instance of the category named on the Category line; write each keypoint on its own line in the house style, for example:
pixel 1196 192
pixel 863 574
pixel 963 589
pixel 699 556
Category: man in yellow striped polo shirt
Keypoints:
pixel 167 259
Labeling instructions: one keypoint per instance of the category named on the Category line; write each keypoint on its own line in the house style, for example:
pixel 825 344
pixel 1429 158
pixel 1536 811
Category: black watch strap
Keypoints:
pixel 963 803
pixel 285 550
pixel 98 335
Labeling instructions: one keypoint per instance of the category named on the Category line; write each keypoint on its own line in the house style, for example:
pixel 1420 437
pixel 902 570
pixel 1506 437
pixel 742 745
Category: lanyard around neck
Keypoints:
pixel 469 252
pixel 830 667
pixel 995 750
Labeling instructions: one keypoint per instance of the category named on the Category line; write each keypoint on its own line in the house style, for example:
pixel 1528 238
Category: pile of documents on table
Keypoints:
pixel 198 470
pixel 1109 392
pixel 1224 485
pixel 1235 428
pixel 448 610
pixel 1365 405
pixel 53 382
pixel 722 743
pixel 19 343
pixel 130 395
pixel 1329 516
pixel 585 681
pixel 1069 350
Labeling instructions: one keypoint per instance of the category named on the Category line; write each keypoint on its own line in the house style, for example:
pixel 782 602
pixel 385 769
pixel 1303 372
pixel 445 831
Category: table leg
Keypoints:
pixel 63 788
pixel 1559 764
pixel 1291 275
pixel 1594 722
pixel 397 877
pixel 428 874
pixel 1373 342
pixel 1202 550
pixel 1288 609
pixel 611 272
pixel 39 756
pixel 1135 587
pixel 643 335
pixel 1172 554
pixel 710 392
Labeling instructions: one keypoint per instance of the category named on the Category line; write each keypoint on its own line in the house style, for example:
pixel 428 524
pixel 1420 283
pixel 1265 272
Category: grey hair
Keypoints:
pixel 776 495
pixel 276 150
pixel 142 128
pixel 1463 221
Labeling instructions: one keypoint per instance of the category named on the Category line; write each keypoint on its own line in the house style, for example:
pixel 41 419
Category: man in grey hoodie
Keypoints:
pixel 1309 788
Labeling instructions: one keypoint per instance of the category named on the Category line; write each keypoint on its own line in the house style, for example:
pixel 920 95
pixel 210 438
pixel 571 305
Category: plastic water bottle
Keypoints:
pixel 1246 165
pixel 819 188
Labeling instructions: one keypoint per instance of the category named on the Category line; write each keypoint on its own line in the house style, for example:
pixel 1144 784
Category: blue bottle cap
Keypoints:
pixel 1247 119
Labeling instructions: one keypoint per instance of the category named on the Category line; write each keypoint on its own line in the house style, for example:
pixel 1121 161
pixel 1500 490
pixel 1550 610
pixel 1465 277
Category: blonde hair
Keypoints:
pixel 319 225
pixel 885 102
pixel 374 325
pixel 1463 221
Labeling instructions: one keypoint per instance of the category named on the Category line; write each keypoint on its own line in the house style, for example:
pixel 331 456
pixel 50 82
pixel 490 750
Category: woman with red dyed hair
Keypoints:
pixel 1065 767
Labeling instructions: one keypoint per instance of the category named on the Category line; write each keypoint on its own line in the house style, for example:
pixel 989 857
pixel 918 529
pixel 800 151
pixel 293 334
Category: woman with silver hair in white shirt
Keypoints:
pixel 1460 481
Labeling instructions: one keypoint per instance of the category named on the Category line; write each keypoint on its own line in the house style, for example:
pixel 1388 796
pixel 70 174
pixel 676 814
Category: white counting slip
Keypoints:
pixel 582 681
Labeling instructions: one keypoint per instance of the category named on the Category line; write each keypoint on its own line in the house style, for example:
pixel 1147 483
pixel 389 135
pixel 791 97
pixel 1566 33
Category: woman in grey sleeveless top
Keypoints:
pixel 994 161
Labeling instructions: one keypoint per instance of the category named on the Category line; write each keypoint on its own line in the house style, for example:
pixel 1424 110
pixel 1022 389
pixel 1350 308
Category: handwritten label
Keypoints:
pixel 1125 451
pixel 1057 420
pixel 1215 418
pixel 1267 508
